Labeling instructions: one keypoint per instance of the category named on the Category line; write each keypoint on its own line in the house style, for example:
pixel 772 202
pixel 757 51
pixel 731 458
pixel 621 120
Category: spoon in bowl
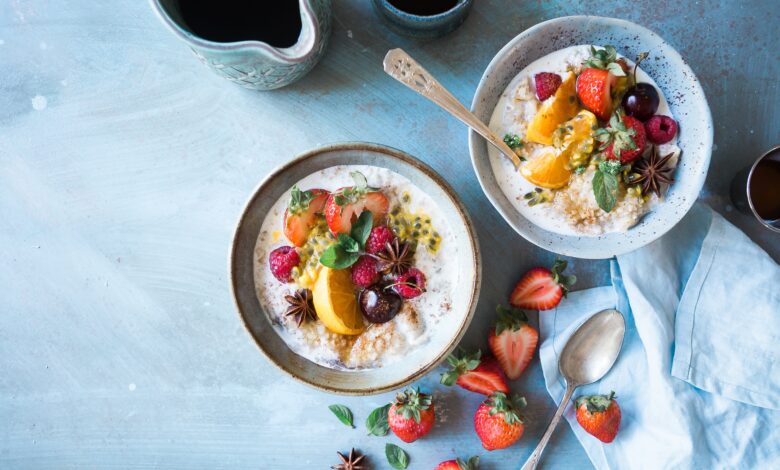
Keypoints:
pixel 400 65
pixel 587 357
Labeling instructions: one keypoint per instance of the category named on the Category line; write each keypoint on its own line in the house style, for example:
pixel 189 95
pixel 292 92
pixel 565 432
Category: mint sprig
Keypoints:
pixel 346 251
pixel 351 195
pixel 376 423
pixel 396 456
pixel 605 184
pixel 343 414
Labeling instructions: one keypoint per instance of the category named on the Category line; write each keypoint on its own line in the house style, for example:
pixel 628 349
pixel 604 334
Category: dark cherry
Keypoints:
pixel 379 305
pixel 641 101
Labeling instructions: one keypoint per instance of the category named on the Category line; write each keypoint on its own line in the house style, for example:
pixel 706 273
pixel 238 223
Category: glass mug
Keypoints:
pixel 756 189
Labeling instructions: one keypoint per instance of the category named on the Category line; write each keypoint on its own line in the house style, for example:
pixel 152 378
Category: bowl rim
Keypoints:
pixel 571 249
pixel 419 166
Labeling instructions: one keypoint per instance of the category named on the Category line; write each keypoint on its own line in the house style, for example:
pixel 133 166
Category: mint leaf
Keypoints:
pixel 361 229
pixel 299 200
pixel 342 413
pixel 605 186
pixel 335 257
pixel 348 244
pixel 513 141
pixel 377 421
pixel 396 456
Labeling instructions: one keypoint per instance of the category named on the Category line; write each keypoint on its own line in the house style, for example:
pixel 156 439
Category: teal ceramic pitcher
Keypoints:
pixel 248 60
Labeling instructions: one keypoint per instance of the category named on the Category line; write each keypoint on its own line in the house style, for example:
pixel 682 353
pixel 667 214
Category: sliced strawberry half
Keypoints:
pixel 542 288
pixel 594 88
pixel 475 372
pixel 341 217
pixel 301 213
pixel 513 341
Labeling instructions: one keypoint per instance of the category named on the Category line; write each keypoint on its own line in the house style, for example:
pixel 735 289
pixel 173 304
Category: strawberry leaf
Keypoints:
pixel 509 319
pixel 343 414
pixel 376 423
pixel 299 200
pixel 396 456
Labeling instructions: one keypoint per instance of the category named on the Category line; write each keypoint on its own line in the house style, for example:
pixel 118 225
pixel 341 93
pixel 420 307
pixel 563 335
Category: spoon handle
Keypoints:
pixel 533 460
pixel 400 65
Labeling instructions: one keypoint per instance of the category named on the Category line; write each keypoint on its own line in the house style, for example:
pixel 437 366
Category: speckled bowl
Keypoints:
pixel 678 83
pixel 418 361
pixel 423 26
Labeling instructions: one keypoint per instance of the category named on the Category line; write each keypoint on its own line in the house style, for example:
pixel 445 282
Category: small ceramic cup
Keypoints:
pixel 423 26
pixel 743 186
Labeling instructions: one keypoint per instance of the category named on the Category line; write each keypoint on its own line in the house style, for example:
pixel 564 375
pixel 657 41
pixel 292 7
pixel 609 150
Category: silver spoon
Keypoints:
pixel 587 357
pixel 399 65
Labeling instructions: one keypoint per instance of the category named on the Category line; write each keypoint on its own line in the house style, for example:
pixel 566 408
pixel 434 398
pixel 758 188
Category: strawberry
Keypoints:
pixel 541 288
pixel 513 341
pixel 459 464
pixel 624 139
pixel 345 205
pixel 546 84
pixel 498 422
pixel 594 88
pixel 476 373
pixel 411 416
pixel 599 416
pixel 301 213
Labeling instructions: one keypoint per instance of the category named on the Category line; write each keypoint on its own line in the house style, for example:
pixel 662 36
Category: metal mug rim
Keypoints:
pixel 763 221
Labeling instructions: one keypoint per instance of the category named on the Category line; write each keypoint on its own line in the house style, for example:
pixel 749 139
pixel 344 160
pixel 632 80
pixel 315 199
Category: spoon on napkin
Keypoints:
pixel 399 65
pixel 587 357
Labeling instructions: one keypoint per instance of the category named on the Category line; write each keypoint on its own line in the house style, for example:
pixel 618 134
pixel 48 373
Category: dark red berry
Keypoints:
pixel 379 305
pixel 410 284
pixel 282 261
pixel 623 153
pixel 546 84
pixel 379 237
pixel 365 271
pixel 641 101
pixel 660 129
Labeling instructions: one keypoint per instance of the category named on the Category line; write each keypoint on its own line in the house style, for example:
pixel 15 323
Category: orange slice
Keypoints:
pixel 548 170
pixel 561 107
pixel 336 303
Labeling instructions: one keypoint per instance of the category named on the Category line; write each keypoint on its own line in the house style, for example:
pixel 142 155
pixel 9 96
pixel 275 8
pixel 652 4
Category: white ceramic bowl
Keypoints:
pixel 678 83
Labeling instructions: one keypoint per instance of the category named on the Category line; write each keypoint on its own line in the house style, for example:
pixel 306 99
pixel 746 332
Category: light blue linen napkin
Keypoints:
pixel 698 378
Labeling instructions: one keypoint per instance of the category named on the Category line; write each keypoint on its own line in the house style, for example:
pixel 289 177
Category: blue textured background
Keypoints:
pixel 124 164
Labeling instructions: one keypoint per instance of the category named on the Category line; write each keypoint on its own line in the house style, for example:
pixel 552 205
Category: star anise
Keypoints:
pixel 300 307
pixel 396 258
pixel 652 172
pixel 353 462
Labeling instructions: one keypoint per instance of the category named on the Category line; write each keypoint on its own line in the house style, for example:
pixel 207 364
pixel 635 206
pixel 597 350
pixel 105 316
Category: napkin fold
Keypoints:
pixel 698 377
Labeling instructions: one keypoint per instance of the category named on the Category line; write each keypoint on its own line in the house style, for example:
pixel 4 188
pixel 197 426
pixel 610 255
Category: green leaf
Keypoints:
pixel 335 257
pixel 361 229
pixel 615 69
pixel 377 421
pixel 513 141
pixel 605 186
pixel 342 413
pixel 359 178
pixel 348 244
pixel 396 456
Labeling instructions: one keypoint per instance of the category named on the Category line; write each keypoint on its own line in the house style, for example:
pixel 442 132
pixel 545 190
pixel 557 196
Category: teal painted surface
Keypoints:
pixel 124 164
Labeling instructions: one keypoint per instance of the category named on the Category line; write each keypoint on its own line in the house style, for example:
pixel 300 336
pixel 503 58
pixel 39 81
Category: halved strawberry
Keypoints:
pixel 301 213
pixel 624 139
pixel 541 288
pixel 345 205
pixel 594 88
pixel 513 341
pixel 475 372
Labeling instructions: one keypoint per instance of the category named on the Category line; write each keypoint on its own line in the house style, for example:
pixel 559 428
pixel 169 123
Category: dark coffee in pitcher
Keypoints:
pixel 277 23
pixel 424 7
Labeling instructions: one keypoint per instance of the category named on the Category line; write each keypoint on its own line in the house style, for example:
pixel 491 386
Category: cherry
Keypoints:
pixel 379 305
pixel 641 101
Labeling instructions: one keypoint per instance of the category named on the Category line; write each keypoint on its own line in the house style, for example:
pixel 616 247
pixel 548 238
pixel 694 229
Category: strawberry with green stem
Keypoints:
pixel 599 416
pixel 345 205
pixel 542 288
pixel 301 213
pixel 475 372
pixel 411 416
pixel 459 464
pixel 498 422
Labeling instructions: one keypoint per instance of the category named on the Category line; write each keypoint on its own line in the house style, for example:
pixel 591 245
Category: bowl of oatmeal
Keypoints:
pixel 355 268
pixel 612 128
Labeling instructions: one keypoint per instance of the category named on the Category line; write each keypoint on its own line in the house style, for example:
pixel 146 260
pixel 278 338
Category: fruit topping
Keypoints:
pixel 410 284
pixel 599 416
pixel 415 228
pixel 606 59
pixel 641 101
pixel 623 139
pixel 345 205
pixel 660 129
pixel 538 196
pixel 594 88
pixel 347 249
pixel 513 141
pixel 365 271
pixel 396 258
pixel 542 288
pixel 549 169
pixel 459 464
pixel 378 239
pixel 513 341
pixel 379 305
pixel 282 261
pixel 605 184
pixel 652 172
pixel 546 84
pixel 352 462
pixel 574 138
pixel 301 213
pixel 475 372
pixel 301 307
pixel 498 422
pixel 335 302
pixel 411 415
pixel 553 112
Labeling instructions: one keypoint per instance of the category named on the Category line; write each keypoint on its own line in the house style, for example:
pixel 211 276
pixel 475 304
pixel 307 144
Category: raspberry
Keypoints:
pixel 546 84
pixel 410 284
pixel 282 261
pixel 379 237
pixel 660 129
pixel 365 272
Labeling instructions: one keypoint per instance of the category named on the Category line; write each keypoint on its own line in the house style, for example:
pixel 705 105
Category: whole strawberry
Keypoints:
pixel 498 422
pixel 411 416
pixel 624 139
pixel 459 464
pixel 475 372
pixel 513 341
pixel 542 288
pixel 599 416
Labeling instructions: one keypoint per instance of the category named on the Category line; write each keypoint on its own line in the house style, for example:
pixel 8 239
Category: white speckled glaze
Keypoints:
pixel 680 87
